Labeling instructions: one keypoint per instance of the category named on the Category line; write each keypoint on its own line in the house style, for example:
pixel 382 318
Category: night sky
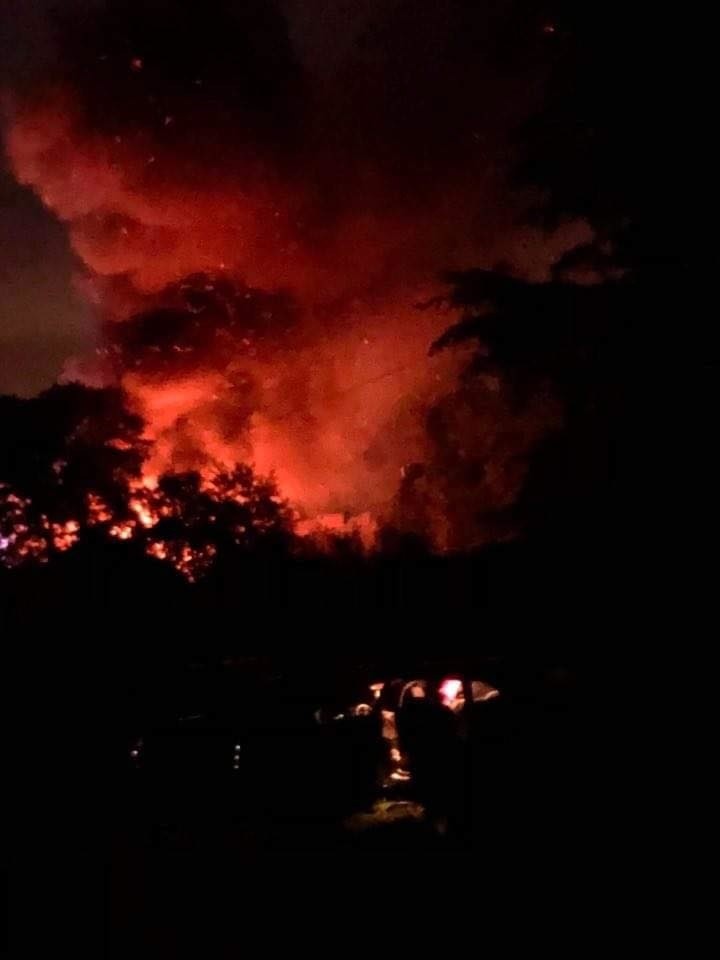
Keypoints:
pixel 42 321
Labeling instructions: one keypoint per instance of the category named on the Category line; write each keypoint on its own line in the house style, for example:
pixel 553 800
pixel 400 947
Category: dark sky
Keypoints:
pixel 42 322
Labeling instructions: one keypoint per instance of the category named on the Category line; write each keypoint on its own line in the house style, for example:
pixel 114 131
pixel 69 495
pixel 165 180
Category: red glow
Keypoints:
pixel 335 409
pixel 335 422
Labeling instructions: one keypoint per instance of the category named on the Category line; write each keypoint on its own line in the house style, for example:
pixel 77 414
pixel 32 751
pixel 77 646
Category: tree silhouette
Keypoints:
pixel 66 442
pixel 202 523
pixel 606 147
pixel 70 472
pixel 58 450
pixel 203 321
pixel 567 341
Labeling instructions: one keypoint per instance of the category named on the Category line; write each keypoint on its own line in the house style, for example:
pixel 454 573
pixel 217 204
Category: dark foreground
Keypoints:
pixel 511 801
pixel 166 866
pixel 190 864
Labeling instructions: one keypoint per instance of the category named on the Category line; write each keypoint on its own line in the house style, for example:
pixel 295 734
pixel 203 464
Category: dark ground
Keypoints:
pixel 173 868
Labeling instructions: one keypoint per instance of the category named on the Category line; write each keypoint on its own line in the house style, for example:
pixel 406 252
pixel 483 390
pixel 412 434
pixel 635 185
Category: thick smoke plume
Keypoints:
pixel 258 196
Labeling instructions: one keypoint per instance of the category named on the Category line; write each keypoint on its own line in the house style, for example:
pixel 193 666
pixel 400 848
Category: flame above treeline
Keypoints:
pixel 184 519
pixel 255 242
pixel 334 410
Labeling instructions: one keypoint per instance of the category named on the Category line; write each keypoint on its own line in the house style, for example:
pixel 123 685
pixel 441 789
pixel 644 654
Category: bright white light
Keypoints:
pixel 449 689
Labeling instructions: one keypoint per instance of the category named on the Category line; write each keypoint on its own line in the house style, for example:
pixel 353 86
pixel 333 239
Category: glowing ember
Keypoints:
pixel 65 535
pixel 143 512
pixel 97 509
pixel 123 531
pixel 325 526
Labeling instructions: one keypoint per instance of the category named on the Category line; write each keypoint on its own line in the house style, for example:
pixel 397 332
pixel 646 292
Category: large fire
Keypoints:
pixel 275 267
pixel 334 409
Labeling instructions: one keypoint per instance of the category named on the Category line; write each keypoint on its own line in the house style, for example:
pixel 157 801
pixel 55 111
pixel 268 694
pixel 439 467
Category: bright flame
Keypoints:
pixel 335 422
pixel 450 689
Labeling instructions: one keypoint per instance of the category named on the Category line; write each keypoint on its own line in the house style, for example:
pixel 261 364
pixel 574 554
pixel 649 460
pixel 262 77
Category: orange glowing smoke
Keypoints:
pixel 337 415
pixel 337 412
pixel 334 421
